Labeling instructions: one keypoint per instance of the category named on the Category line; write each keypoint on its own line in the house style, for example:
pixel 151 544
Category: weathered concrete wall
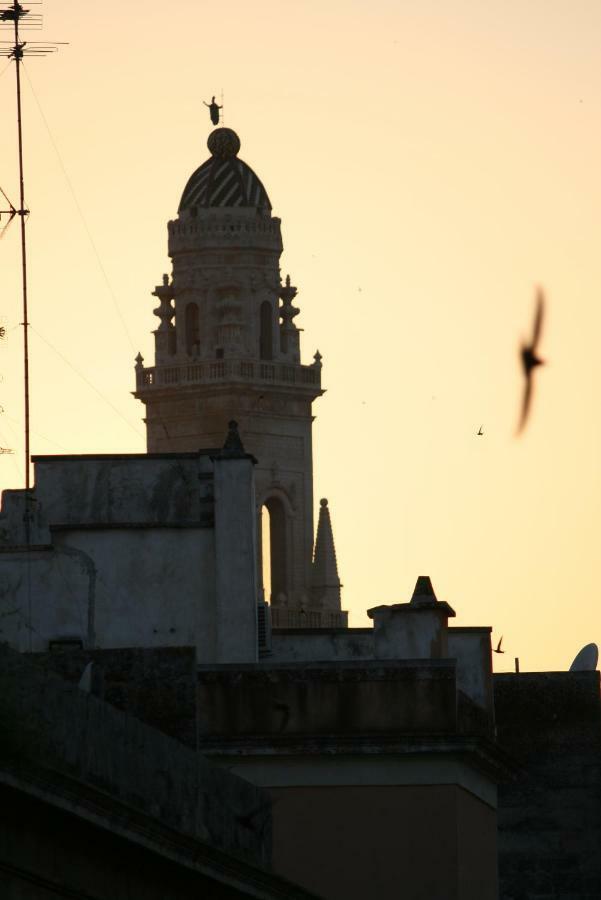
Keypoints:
pixel 127 489
pixel 550 815
pixel 389 843
pixel 52 724
pixel 317 644
pixel 112 588
pixel 354 698
pixel 471 648
pixel 146 551
pixel 408 631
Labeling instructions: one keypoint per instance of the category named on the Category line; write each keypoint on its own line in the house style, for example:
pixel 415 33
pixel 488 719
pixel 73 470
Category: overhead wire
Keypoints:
pixel 38 434
pixel 86 380
pixel 81 215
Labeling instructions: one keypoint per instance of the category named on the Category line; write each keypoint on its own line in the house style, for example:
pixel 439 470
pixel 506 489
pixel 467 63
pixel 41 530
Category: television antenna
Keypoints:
pixel 14 17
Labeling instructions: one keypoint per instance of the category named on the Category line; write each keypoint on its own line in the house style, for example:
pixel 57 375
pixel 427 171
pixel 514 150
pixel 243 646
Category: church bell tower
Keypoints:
pixel 227 348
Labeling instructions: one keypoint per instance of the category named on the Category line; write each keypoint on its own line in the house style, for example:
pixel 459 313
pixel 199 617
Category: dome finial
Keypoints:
pixel 223 143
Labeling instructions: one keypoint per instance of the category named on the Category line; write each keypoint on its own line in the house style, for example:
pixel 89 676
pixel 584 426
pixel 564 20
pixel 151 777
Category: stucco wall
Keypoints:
pixel 114 588
pixel 386 842
pixel 124 488
pixel 47 853
pixel 124 551
pixel 314 644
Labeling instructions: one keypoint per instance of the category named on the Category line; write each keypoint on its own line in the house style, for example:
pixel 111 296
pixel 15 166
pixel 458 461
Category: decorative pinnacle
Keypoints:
pixel 233 442
pixel 165 310
pixel 287 310
pixel 139 361
pixel 223 143
pixel 317 359
pixel 325 581
pixel 423 591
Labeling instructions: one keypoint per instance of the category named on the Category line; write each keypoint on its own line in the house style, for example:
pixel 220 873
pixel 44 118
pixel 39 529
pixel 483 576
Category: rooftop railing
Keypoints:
pixel 224 370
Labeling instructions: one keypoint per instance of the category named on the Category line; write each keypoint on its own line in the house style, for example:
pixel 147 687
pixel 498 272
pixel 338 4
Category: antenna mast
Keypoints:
pixel 10 16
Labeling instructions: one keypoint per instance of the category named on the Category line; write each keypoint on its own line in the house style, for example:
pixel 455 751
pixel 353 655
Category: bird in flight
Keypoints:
pixel 530 360
pixel 480 432
pixel 498 649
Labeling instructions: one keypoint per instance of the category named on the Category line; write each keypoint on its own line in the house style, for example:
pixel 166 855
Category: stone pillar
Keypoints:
pixel 235 553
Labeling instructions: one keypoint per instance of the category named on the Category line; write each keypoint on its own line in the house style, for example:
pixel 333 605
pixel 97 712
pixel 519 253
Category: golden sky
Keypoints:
pixel 431 161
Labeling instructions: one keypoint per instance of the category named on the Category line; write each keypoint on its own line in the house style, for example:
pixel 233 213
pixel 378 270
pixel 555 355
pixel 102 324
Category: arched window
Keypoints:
pixel 266 336
pixel 273 549
pixel 192 330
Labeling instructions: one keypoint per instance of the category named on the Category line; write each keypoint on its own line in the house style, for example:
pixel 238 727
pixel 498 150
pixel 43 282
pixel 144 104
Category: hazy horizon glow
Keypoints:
pixel 431 162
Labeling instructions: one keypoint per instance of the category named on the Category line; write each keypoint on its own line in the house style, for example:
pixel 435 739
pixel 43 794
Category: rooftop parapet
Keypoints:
pixel 229 371
pixel 346 699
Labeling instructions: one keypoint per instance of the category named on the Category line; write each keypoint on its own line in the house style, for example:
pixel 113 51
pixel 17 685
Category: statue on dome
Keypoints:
pixel 213 110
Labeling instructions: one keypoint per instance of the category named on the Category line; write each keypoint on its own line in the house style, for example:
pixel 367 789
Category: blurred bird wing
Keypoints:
pixel 538 318
pixel 525 403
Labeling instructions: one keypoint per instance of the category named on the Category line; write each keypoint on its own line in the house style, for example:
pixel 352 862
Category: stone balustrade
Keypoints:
pixel 227 370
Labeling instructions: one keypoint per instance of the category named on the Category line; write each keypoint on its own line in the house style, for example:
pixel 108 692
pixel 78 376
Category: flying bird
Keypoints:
pixel 530 360
pixel 498 649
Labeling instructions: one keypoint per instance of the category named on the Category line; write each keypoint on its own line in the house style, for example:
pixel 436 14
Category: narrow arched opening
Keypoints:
pixel 192 330
pixel 274 550
pixel 266 333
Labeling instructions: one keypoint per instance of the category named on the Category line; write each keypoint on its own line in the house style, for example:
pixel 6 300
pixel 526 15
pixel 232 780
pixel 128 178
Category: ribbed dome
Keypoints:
pixel 224 180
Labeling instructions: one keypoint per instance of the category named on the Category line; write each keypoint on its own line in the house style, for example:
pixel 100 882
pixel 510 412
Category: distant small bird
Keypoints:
pixel 498 649
pixel 530 360
pixel 480 432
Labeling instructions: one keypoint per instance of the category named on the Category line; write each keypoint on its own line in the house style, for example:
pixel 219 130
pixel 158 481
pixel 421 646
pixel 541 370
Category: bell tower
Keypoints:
pixel 227 347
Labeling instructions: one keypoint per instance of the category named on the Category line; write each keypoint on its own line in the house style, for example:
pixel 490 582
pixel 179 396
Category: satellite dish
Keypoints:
pixel 586 660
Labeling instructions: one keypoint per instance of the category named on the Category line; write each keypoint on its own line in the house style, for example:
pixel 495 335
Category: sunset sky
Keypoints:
pixel 432 161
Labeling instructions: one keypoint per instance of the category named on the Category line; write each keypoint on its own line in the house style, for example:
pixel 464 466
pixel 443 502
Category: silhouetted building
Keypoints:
pixel 143 576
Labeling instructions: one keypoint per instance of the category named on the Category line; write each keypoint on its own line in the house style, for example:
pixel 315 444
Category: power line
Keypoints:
pixel 81 215
pixel 87 381
pixel 38 434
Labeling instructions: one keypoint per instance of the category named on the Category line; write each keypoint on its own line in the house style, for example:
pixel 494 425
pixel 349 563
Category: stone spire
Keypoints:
pixel 325 587
pixel 423 591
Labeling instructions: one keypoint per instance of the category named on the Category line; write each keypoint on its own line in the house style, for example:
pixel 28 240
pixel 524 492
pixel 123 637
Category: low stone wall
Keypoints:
pixel 328 698
pixel 56 726
pixel 157 686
